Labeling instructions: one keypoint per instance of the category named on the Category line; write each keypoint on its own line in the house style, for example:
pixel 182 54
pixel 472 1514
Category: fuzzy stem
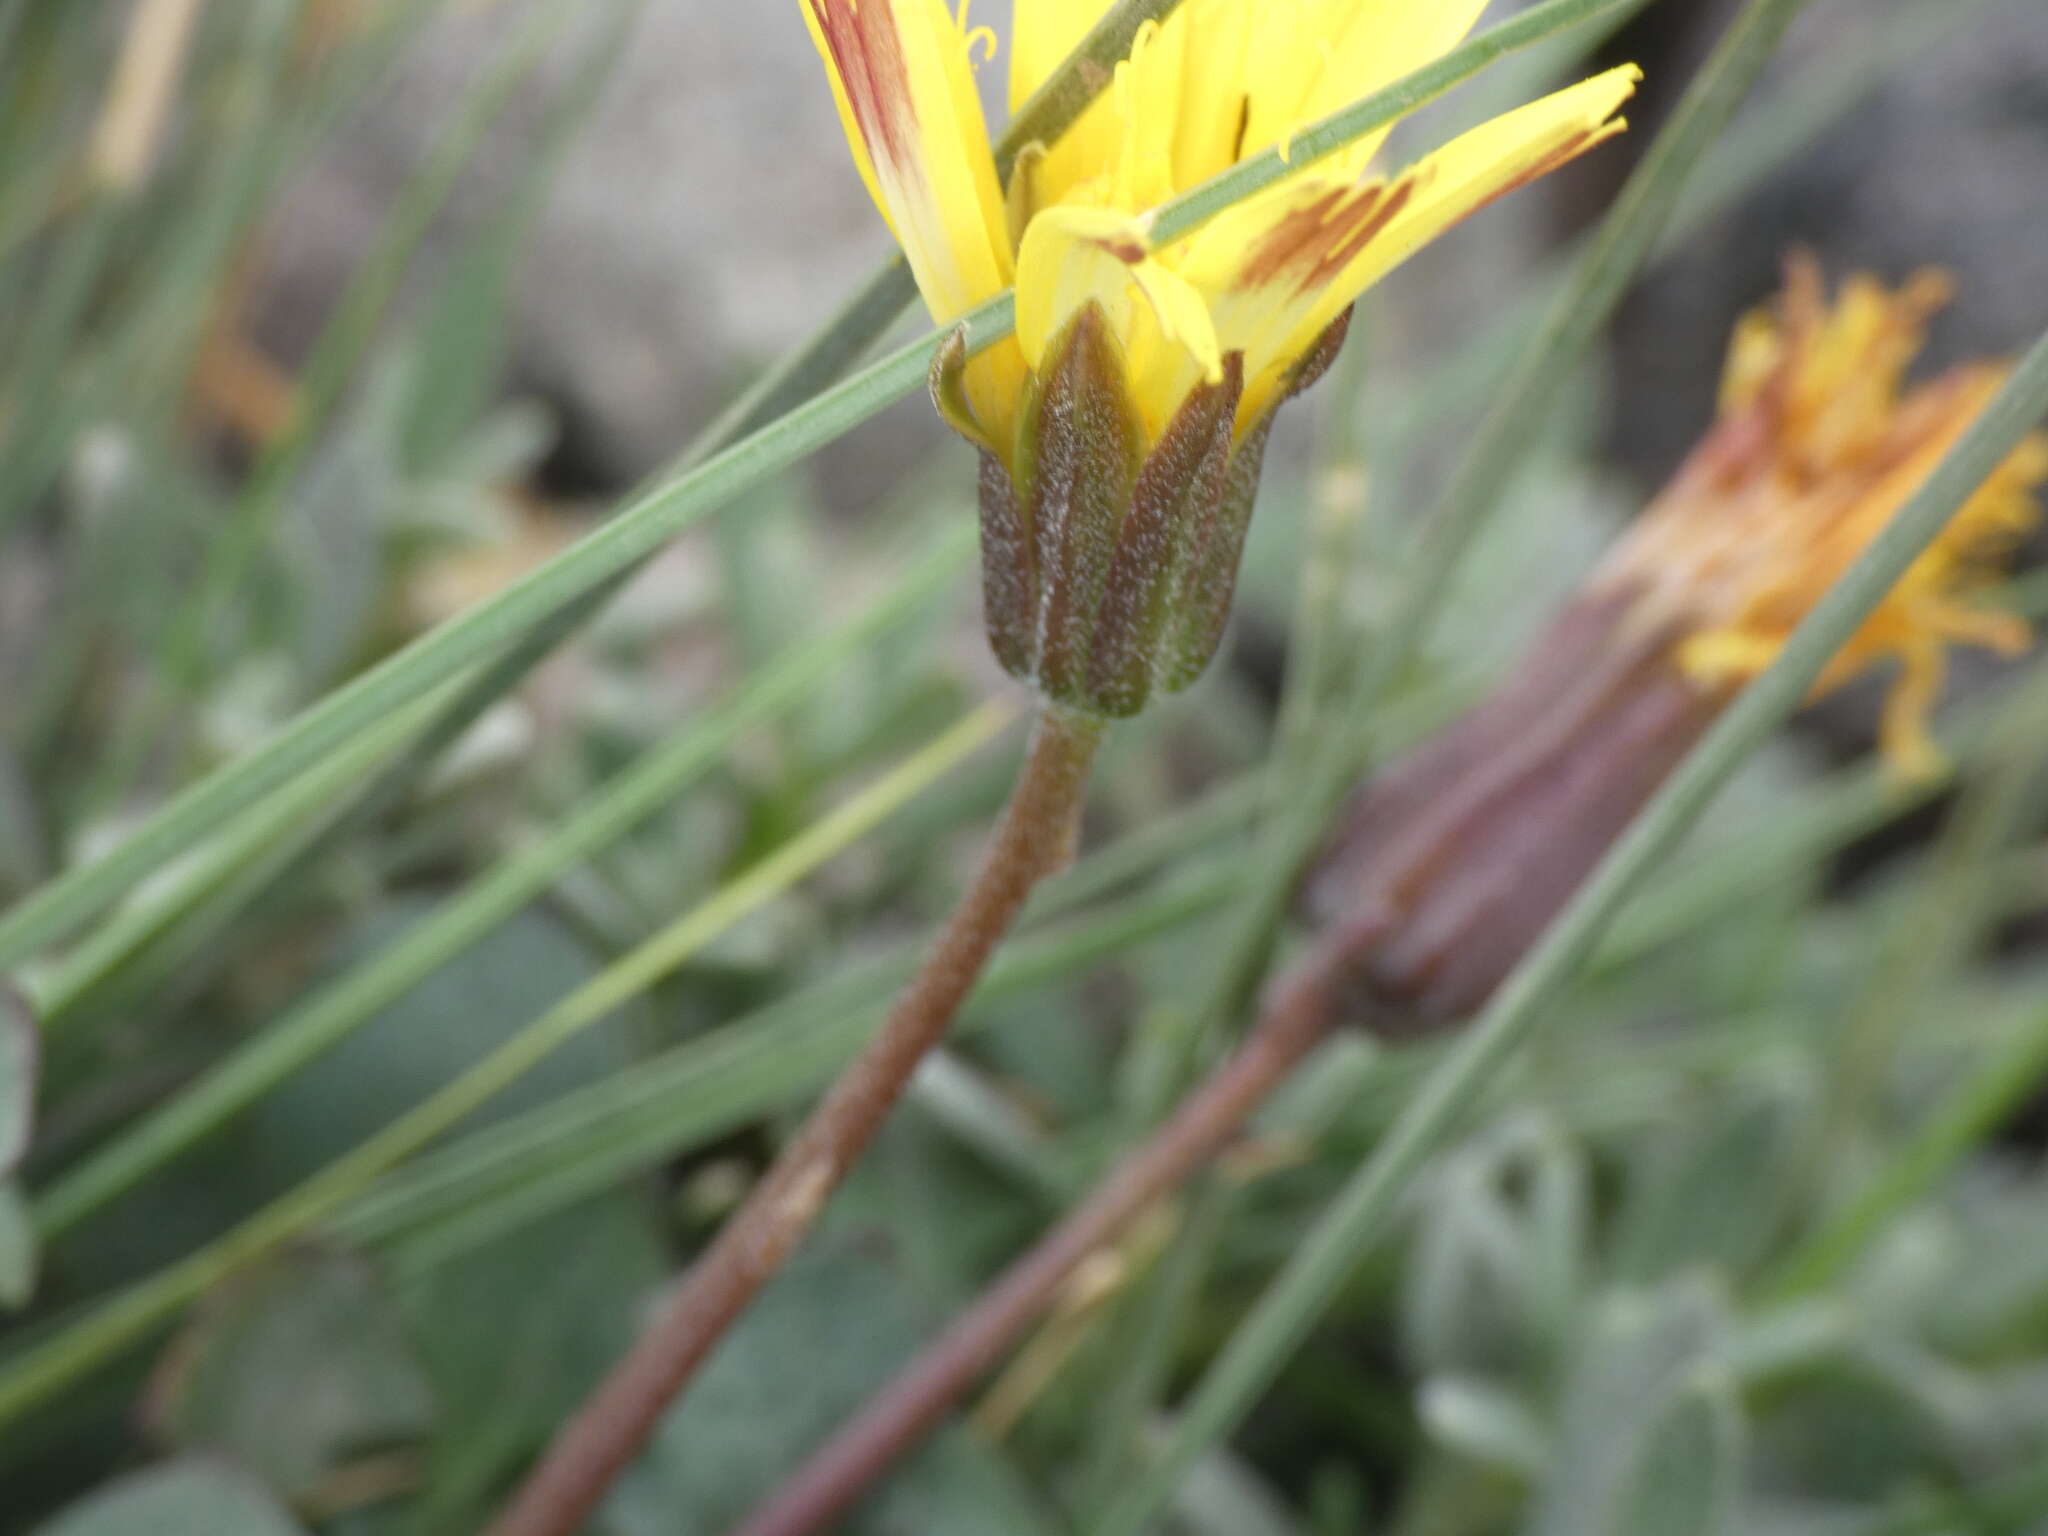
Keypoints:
pixel 1298 1015
pixel 1033 839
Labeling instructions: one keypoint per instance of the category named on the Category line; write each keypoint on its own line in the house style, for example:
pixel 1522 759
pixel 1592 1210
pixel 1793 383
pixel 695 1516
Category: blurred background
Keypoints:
pixel 321 320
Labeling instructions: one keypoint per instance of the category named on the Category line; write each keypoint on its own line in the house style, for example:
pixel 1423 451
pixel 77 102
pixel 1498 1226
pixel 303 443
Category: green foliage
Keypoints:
pixel 298 1372
pixel 194 1498
pixel 20 1050
pixel 783 1379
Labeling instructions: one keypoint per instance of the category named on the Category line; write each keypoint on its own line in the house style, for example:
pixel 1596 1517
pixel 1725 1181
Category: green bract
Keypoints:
pixel 1108 570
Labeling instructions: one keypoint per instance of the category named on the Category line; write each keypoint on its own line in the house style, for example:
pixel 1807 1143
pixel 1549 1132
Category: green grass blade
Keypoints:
pixel 59 992
pixel 1850 805
pixel 472 637
pixel 464 335
pixel 1914 961
pixel 1339 507
pixel 131 1316
pixel 478 285
pixel 2007 1505
pixel 33 439
pixel 1970 1112
pixel 1287 1311
pixel 587 1141
pixel 1917 956
pixel 323 1021
pixel 337 356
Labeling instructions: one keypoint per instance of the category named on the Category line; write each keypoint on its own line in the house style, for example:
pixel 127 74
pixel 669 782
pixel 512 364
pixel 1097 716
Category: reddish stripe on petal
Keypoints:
pixel 1570 149
pixel 1378 212
pixel 1290 242
pixel 869 58
pixel 1317 241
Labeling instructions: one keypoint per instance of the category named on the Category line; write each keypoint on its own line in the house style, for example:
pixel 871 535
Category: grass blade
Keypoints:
pixel 323 1021
pixel 586 1142
pixel 135 1313
pixel 337 356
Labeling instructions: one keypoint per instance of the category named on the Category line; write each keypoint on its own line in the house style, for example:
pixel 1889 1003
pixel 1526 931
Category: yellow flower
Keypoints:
pixel 1218 81
pixel 1124 424
pixel 1818 445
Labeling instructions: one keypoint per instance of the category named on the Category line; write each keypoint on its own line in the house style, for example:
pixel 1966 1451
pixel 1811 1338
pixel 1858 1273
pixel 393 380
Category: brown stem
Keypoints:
pixel 1033 838
pixel 1298 1015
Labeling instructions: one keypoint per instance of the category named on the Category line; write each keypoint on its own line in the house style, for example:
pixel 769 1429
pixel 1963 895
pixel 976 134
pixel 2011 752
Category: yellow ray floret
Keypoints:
pixel 1216 82
pixel 1819 444
pixel 1311 57
pixel 901 75
pixel 1280 268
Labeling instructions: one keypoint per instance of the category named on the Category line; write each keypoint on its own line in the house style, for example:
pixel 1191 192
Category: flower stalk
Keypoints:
pixel 1300 1014
pixel 1033 839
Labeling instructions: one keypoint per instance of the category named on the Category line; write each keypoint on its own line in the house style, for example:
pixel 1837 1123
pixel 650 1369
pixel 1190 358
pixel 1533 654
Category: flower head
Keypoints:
pixel 1450 865
pixel 1820 441
pixel 1182 351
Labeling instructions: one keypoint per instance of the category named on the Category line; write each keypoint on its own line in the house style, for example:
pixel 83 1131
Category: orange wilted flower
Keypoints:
pixel 1462 854
pixel 1819 444
pixel 1124 425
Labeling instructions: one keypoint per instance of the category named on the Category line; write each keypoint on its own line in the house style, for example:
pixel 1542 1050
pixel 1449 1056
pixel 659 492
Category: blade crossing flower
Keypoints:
pixel 1123 427
pixel 1455 861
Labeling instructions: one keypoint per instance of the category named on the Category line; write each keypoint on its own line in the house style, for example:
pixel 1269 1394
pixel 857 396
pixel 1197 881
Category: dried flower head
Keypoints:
pixel 1124 424
pixel 1453 863
pixel 1820 441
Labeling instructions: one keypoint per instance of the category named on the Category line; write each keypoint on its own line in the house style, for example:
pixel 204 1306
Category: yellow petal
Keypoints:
pixel 1215 52
pixel 1120 153
pixel 1311 57
pixel 901 75
pixel 1147 98
pixel 1075 256
pixel 1269 265
pixel 1716 656
pixel 1902 729
pixel 1496 158
pixel 1279 270
pixel 906 95
pixel 1042 34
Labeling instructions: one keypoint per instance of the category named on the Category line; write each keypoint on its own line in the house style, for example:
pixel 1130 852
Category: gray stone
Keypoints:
pixel 1945 166
pixel 707 218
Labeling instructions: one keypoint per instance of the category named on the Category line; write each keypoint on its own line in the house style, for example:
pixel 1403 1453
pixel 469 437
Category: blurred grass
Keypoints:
pixel 1678 1229
pixel 132 1314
